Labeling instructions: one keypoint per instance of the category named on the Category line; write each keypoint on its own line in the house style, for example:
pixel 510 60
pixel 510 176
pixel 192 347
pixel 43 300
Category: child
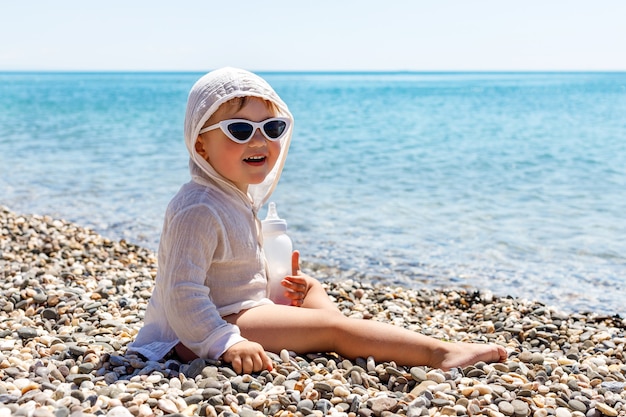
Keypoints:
pixel 210 297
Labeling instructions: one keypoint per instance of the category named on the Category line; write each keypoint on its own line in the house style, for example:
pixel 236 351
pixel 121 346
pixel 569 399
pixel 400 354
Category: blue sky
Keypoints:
pixel 395 35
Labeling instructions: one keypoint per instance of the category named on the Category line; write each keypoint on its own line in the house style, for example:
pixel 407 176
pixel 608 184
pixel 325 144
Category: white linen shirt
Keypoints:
pixel 210 265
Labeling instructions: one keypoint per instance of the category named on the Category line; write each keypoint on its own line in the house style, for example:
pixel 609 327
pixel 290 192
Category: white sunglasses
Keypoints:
pixel 242 130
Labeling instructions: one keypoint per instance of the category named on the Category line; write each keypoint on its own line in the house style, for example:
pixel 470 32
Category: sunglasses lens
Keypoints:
pixel 275 128
pixel 240 130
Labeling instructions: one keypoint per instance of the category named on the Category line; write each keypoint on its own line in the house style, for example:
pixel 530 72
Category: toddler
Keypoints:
pixel 210 295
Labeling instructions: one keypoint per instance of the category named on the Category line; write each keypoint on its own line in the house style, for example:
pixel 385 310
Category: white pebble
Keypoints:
pixel 436 376
pixel 119 411
pixel 167 405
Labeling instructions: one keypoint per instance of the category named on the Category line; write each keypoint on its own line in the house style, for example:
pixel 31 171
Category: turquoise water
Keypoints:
pixel 508 182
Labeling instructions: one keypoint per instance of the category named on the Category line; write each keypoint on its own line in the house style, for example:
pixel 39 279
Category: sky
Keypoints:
pixel 320 35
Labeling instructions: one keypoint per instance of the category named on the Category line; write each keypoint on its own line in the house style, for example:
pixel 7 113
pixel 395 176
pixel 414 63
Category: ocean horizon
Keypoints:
pixel 508 182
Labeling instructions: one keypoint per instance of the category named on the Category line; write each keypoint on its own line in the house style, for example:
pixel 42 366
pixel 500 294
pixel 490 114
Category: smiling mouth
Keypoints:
pixel 255 159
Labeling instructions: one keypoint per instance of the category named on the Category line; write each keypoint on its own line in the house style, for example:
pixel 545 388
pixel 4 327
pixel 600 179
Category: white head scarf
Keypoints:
pixel 205 97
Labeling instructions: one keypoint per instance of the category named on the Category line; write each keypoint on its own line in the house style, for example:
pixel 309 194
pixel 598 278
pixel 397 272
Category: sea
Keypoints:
pixel 506 183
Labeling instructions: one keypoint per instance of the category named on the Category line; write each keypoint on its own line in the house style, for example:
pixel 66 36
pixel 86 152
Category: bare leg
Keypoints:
pixel 307 330
pixel 317 298
pixel 319 326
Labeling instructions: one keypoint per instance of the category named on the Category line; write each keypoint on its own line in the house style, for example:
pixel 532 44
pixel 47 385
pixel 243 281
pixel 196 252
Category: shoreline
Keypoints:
pixel 72 300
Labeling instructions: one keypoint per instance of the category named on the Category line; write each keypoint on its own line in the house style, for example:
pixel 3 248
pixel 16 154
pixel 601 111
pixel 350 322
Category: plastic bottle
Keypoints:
pixel 278 249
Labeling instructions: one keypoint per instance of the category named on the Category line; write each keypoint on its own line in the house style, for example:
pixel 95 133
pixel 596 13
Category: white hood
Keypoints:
pixel 205 97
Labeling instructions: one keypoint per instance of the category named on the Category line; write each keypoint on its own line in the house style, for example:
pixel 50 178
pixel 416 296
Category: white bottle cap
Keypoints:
pixel 272 223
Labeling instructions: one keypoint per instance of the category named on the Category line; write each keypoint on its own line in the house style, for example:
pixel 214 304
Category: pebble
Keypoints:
pixel 520 408
pixel 506 408
pixel 563 412
pixel 606 409
pixel 73 300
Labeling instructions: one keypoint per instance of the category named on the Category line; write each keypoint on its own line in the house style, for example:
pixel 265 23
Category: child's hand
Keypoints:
pixel 297 284
pixel 247 357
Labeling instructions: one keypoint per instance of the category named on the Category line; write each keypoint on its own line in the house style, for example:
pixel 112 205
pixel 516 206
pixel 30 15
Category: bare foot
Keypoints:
pixel 461 354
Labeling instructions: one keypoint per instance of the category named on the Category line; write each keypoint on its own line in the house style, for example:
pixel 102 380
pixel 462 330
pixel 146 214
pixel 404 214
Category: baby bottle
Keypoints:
pixel 278 249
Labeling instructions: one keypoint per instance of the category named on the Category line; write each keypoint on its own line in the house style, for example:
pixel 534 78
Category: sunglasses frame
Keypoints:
pixel 223 125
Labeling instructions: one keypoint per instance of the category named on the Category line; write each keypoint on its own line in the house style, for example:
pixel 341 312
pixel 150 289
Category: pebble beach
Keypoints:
pixel 72 300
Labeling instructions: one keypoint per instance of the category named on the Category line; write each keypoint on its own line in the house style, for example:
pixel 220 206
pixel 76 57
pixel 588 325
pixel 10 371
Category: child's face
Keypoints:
pixel 243 164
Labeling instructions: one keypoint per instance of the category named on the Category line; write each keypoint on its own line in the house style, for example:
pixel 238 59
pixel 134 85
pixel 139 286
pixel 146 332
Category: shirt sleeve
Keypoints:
pixel 192 240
